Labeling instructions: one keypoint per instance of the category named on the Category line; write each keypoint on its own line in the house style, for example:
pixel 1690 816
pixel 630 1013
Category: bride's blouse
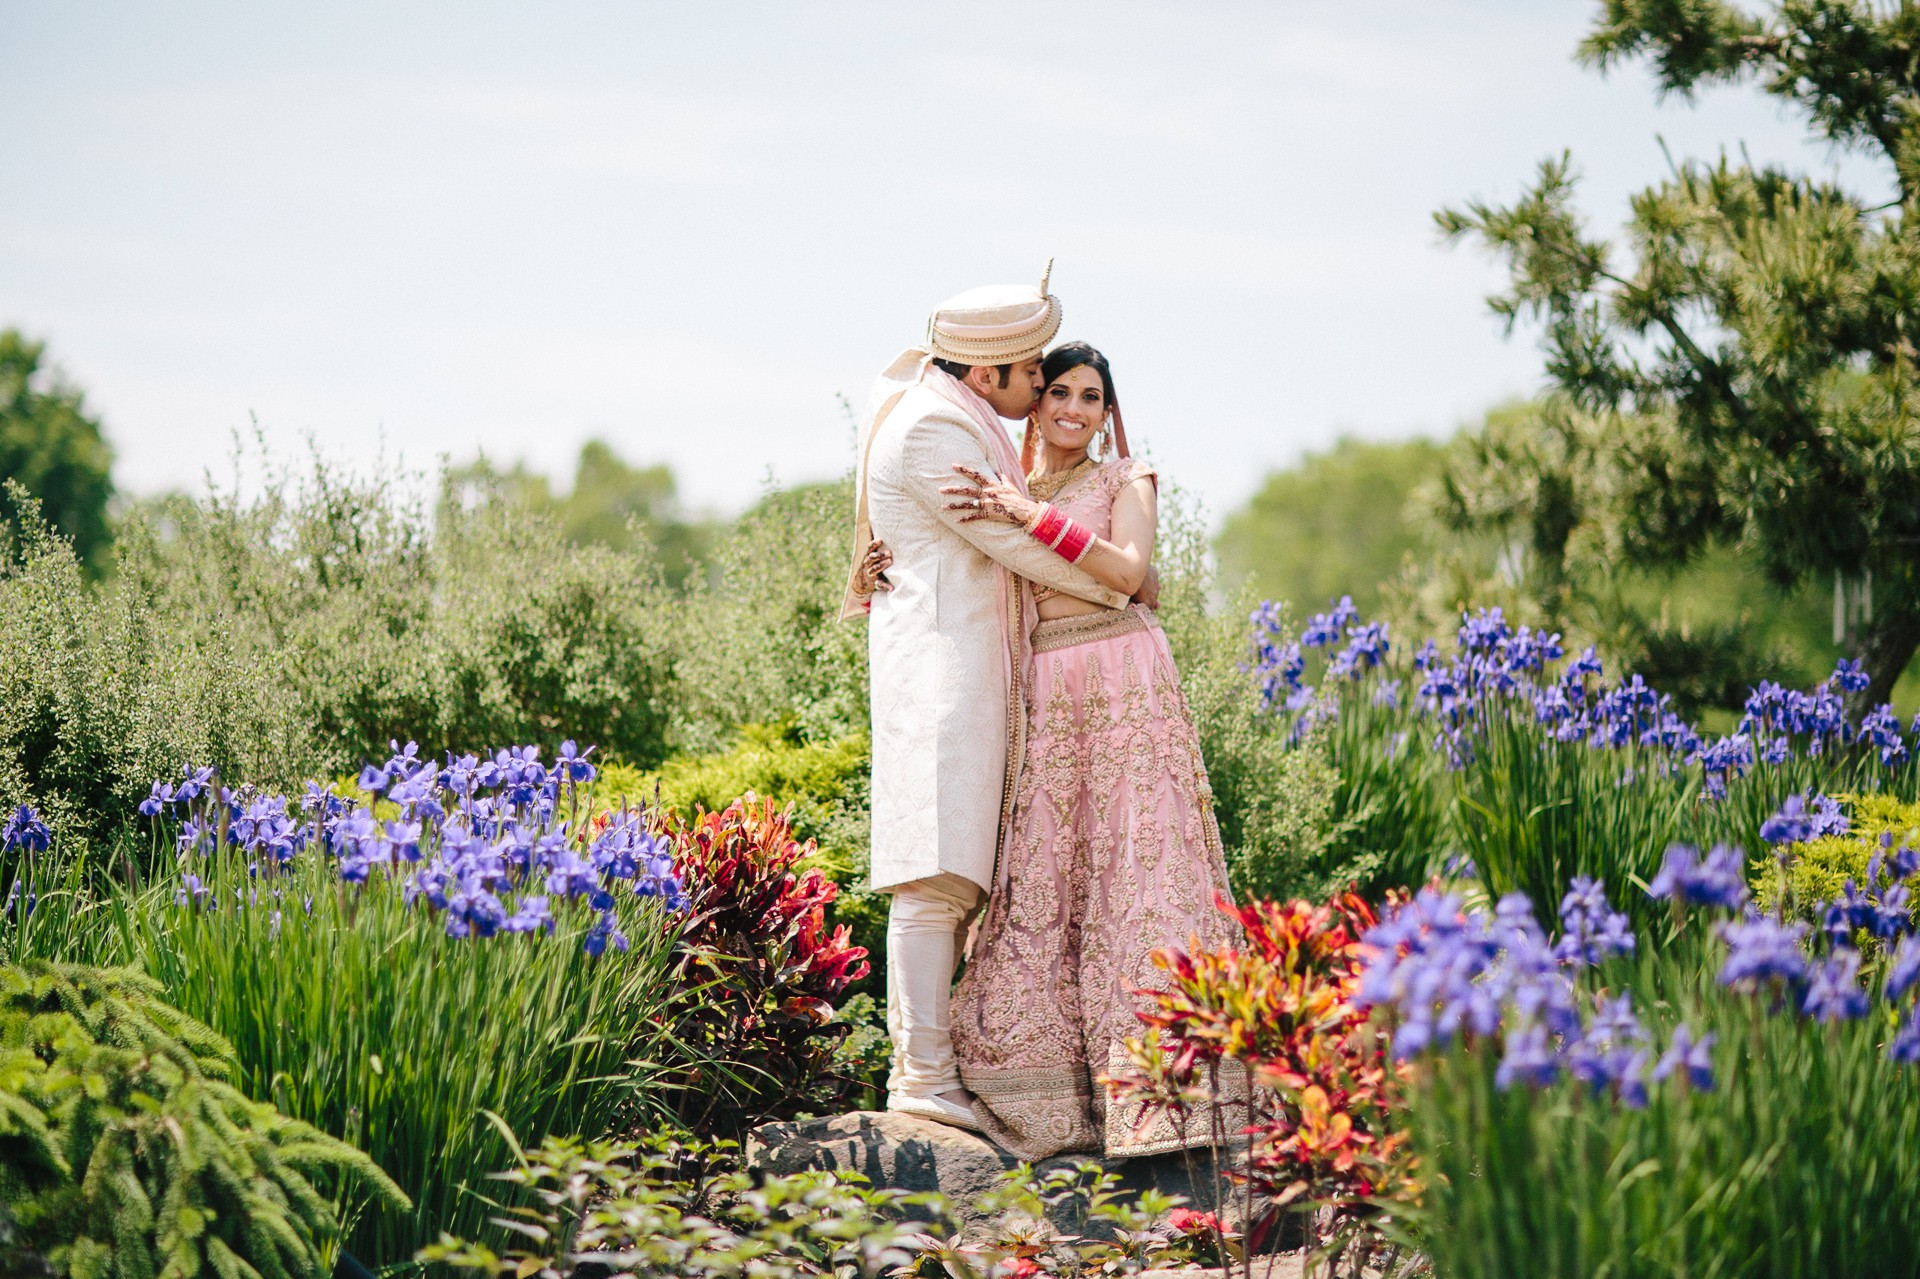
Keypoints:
pixel 1088 499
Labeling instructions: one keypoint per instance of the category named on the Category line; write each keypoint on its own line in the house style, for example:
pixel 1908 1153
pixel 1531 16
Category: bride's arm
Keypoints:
pixel 1124 562
pixel 1120 564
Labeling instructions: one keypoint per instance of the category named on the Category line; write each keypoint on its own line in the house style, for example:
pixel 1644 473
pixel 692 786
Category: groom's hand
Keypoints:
pixel 1149 592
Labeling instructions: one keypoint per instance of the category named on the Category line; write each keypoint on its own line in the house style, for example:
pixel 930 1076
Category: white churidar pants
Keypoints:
pixel 926 931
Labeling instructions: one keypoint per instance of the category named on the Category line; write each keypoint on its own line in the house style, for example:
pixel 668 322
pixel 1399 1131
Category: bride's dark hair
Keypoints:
pixel 1060 361
pixel 1068 356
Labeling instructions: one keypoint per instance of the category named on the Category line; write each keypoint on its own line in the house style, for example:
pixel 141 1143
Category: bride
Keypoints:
pixel 1113 850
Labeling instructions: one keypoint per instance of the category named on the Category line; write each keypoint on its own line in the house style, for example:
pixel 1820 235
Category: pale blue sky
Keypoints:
pixel 686 227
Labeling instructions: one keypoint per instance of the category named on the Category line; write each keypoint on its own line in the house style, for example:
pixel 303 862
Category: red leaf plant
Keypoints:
pixel 1323 1118
pixel 758 970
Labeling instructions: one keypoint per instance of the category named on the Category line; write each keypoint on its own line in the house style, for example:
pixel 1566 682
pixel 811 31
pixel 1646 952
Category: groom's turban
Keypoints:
pixel 998 324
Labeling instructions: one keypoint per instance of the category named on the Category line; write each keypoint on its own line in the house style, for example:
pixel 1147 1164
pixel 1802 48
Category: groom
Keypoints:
pixel 947 647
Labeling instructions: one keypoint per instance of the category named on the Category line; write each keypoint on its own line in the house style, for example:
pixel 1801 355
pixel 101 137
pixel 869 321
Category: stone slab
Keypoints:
pixel 907 1152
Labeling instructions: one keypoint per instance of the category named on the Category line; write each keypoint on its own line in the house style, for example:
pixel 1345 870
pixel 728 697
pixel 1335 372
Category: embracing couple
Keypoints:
pixel 1038 790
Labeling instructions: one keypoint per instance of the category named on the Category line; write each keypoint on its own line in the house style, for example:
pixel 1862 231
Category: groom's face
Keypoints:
pixel 1013 394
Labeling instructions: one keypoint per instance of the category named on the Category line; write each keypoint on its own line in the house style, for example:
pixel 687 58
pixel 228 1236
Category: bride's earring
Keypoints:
pixel 1106 438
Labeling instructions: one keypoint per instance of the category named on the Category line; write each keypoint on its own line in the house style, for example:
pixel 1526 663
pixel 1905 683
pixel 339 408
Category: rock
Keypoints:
pixel 906 1152
pixel 1290 1265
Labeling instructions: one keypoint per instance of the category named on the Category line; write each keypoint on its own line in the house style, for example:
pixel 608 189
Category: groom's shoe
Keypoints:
pixel 938 1109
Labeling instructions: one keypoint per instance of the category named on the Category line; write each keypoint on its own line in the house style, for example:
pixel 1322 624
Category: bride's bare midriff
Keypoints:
pixel 1068 606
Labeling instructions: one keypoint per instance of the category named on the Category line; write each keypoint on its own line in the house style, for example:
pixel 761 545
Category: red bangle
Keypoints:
pixel 1059 534
pixel 1074 542
pixel 1047 525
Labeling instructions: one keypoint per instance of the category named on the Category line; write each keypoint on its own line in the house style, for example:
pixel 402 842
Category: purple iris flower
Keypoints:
pixel 191 890
pixel 1483 631
pixel 1717 881
pixel 572 875
pixel 1764 950
pixel 1905 1046
pixel 1905 968
pixel 1835 993
pixel 1692 1058
pixel 1790 823
pixel 13 899
pixel 404 839
pixel 573 764
pixel 1827 818
pixel 1528 1058
pixel 156 802
pixel 1324 629
pixel 534 915
pixel 604 932
pixel 1881 729
pixel 1850 676
pixel 26 832
pixel 1906 860
pixel 1591 930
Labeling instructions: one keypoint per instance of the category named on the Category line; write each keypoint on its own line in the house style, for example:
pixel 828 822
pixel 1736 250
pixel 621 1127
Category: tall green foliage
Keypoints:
pixel 1747 354
pixel 1276 805
pixel 1529 486
pixel 51 447
pixel 1795 1156
pixel 126 1152
pixel 361 1016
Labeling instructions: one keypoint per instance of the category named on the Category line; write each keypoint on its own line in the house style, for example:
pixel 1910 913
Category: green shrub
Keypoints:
pixel 825 782
pixel 1817 871
pixel 670 1207
pixel 126 1152
pixel 761 642
pixel 1276 806
pixel 100 692
pixel 482 623
pixel 299 631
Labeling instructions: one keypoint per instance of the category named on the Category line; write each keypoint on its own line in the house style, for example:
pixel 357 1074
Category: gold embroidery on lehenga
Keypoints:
pixel 1114 829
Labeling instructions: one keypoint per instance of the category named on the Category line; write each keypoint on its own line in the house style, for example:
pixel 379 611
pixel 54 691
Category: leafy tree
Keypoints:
pixel 52 448
pixel 611 504
pixel 1741 370
pixel 1336 524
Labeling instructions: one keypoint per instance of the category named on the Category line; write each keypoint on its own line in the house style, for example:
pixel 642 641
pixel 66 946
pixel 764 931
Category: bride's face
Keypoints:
pixel 1072 408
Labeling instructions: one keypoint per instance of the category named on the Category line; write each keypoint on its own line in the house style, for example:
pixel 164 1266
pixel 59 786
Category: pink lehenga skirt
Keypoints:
pixel 1114 852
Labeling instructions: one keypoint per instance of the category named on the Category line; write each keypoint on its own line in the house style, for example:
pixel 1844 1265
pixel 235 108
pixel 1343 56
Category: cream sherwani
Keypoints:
pixel 947 645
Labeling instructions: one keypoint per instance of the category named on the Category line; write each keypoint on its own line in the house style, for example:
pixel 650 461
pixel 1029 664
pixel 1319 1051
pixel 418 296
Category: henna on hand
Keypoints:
pixel 871 575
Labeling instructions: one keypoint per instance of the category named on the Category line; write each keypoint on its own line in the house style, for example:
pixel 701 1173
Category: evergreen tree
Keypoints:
pixel 50 445
pixel 126 1154
pixel 1746 357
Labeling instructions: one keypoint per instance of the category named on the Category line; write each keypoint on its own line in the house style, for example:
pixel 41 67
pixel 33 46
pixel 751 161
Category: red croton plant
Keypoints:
pixel 1321 1123
pixel 758 970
